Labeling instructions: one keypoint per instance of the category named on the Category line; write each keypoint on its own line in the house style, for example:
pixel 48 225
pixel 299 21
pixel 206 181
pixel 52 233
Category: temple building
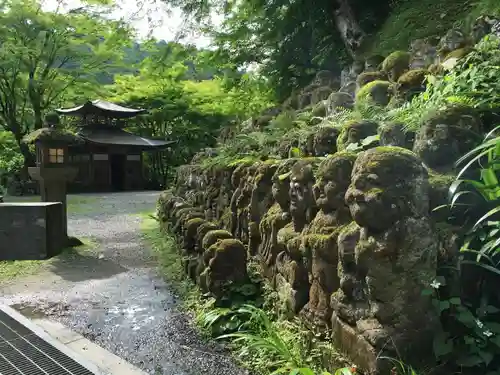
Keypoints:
pixel 108 158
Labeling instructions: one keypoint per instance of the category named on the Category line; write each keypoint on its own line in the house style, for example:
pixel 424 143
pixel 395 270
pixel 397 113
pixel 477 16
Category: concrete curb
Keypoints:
pixel 96 359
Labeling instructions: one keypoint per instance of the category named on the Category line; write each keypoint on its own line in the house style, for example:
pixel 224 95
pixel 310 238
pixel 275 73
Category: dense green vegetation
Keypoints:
pixel 49 60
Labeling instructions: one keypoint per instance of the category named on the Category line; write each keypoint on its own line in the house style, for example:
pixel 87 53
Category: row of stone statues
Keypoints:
pixel 346 240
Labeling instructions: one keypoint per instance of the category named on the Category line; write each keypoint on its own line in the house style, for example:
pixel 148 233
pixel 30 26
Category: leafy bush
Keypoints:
pixel 471 333
pixel 11 160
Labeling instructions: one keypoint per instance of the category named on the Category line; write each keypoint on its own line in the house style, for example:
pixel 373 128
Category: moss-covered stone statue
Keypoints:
pixel 242 205
pixel 453 40
pixel 423 53
pixel 325 140
pixel 338 101
pixel 373 63
pixel 484 25
pixel 395 134
pixel 355 132
pixel 396 64
pixel 275 218
pixel 446 135
pixel 319 239
pixel 291 278
pixel 225 264
pixel 411 83
pixel 238 180
pixel 387 257
pixel 375 93
pixel 370 76
pixel 261 200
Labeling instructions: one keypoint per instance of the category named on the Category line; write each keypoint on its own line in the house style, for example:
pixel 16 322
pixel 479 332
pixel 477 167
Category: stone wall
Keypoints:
pixel 31 231
pixel 349 240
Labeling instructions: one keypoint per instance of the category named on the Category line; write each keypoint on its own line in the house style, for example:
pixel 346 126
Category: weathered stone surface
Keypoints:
pixel 31 231
pixel 338 101
pixel 446 135
pixel 387 256
pixel 355 132
pixel 291 274
pixel 319 239
pixel 394 134
pixel 423 53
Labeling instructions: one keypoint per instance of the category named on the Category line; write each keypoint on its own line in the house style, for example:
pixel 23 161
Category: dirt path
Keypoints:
pixel 113 295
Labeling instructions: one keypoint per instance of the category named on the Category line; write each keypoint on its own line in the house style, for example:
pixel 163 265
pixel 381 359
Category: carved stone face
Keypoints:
pixel 280 184
pixel 355 132
pixel 394 135
pixel 325 141
pixel 446 136
pixel 423 53
pixel 482 26
pixel 334 178
pixel 386 186
pixel 452 40
pixel 301 192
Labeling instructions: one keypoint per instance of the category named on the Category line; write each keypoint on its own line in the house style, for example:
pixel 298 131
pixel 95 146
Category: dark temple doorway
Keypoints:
pixel 117 164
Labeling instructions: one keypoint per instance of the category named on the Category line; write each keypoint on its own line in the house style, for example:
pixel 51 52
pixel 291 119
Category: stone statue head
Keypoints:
pixel 354 132
pixel 394 134
pixel 334 177
pixel 325 141
pixel 388 184
pixel 280 184
pixel 451 41
pixel 301 192
pixel 446 135
pixel 483 25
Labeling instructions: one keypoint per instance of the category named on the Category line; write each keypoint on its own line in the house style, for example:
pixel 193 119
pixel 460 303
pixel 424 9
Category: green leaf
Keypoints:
pixel 493 327
pixel 470 361
pixel 466 317
pixel 491 309
pixel 427 292
pixel 442 344
pixel 455 301
pixel 487 357
pixel 444 305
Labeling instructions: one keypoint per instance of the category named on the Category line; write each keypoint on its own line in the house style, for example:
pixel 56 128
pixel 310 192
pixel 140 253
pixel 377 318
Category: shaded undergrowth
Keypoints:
pixel 260 337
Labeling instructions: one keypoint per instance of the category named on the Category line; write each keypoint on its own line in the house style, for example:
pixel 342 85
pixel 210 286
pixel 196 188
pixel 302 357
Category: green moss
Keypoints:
pixel 213 236
pixel 375 61
pixel 374 93
pixel 364 128
pixel 52 135
pixel 227 244
pixel 410 20
pixel 436 69
pixel 413 77
pixel 411 83
pixel 396 64
pixel 458 53
pixel 394 150
pixel 367 77
pixel 439 180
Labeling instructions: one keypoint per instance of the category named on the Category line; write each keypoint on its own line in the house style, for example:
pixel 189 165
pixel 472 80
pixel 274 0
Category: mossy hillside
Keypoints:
pixel 411 19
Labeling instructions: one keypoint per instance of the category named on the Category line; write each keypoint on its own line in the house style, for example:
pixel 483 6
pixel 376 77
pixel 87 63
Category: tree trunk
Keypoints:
pixel 348 26
pixel 29 158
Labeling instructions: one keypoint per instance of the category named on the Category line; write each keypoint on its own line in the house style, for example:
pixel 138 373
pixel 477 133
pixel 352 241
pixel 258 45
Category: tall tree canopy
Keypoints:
pixel 44 55
pixel 291 40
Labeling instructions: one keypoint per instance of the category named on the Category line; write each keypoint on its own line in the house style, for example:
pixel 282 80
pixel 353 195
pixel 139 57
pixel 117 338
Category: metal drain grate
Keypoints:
pixel 22 352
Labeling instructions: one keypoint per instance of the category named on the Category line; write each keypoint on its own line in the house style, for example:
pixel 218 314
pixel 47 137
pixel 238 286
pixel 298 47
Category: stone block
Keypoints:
pixel 31 231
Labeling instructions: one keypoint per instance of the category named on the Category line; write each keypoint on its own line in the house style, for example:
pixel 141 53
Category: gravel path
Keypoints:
pixel 114 296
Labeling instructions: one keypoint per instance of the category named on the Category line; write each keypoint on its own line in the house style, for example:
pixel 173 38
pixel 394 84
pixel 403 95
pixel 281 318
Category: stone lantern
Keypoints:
pixel 52 170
